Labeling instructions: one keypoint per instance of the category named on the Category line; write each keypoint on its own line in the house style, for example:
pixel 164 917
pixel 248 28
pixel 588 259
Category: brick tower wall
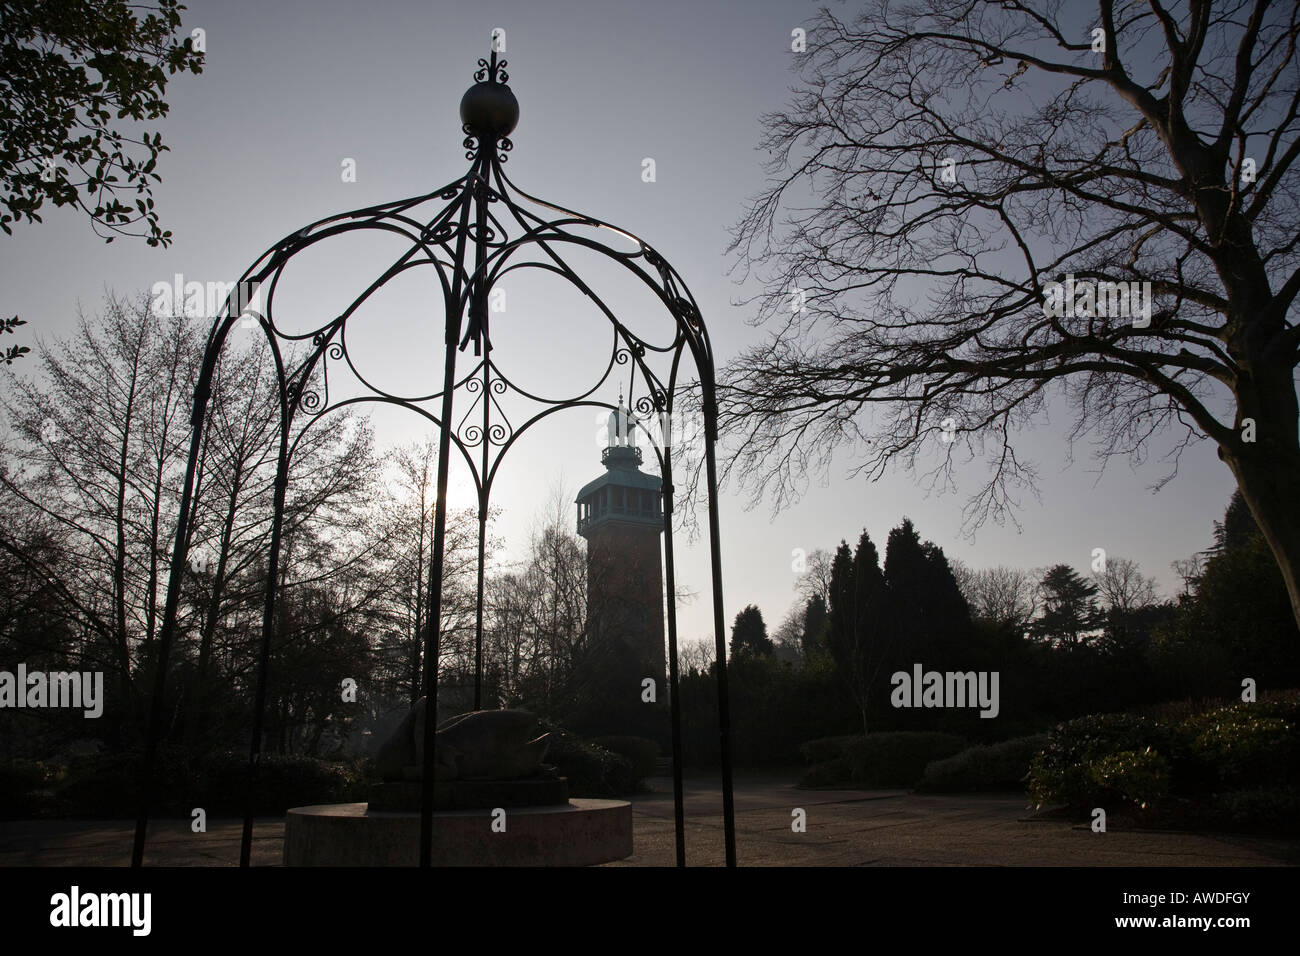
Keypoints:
pixel 625 590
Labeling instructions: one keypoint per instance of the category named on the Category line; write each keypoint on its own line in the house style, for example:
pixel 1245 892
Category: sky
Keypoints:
pixel 292 90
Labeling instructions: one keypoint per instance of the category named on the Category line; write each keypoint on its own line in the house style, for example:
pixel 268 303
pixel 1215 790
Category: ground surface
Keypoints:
pixel 844 828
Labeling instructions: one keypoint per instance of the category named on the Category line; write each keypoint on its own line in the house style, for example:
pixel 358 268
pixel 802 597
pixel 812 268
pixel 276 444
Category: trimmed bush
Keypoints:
pixel 889 759
pixel 283 782
pixel 1244 746
pixel 1060 773
pixel 1210 760
pixel 643 752
pixel 826 748
pixel 592 771
pixel 1139 778
pixel 1000 766
pixel 107 785
pixel 1273 810
pixel 21 786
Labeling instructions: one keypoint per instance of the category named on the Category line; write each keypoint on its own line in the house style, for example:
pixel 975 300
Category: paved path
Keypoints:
pixel 844 828
pixel 895 828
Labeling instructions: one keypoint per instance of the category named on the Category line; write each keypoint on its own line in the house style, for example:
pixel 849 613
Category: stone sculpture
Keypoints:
pixel 480 745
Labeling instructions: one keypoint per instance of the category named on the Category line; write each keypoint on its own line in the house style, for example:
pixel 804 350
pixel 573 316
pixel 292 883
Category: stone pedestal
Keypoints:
pixel 579 833
pixel 404 796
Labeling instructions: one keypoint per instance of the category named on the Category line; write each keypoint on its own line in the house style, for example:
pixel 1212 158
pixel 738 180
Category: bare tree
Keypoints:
pixel 541 642
pixel 97 452
pixel 1189 571
pixel 407 527
pixel 697 656
pixel 788 636
pixel 816 578
pixel 1123 587
pixel 1001 596
pixel 91 479
pixel 976 163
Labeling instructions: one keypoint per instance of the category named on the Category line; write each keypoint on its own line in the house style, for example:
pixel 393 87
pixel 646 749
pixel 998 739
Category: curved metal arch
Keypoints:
pixel 464 222
pixel 382 400
pixel 535 236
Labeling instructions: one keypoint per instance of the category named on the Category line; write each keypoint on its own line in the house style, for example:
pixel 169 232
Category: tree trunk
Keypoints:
pixel 1267 468
pixel 1272 490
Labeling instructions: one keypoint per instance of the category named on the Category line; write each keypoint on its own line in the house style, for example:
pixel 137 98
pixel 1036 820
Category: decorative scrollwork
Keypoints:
pixel 494 71
pixel 656 401
pixel 335 351
pixel 687 311
pixel 622 356
pixel 499 430
pixel 504 146
pixel 309 400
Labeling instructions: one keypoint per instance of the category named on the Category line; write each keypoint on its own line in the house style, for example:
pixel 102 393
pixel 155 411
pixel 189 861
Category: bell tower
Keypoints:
pixel 621 515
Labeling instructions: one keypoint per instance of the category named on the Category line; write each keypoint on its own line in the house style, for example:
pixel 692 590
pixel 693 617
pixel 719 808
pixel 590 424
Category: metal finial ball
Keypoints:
pixel 490 108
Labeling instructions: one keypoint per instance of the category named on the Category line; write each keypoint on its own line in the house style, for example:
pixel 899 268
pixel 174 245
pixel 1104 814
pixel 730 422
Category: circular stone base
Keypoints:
pixel 580 833
pixel 404 796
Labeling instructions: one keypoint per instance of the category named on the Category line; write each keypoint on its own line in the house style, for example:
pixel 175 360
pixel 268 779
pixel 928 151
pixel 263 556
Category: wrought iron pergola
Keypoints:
pixel 471 232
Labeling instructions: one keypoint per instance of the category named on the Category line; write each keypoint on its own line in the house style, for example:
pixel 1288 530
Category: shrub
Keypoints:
pixel 1274 810
pixel 826 748
pixel 592 771
pixel 107 785
pixel 889 759
pixel 283 782
pixel 1000 766
pixel 1059 773
pixel 1137 777
pixel 1235 766
pixel 642 752
pixel 1244 745
pixel 21 786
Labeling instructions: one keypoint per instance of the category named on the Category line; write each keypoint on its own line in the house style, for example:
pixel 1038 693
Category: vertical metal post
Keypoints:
pixel 719 625
pixel 675 704
pixel 433 620
pixel 268 628
pixel 482 531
